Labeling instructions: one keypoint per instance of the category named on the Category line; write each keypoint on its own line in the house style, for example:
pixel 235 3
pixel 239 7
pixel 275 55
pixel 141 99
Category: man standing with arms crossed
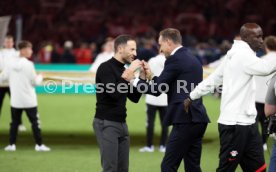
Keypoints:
pixel 240 141
pixel 110 119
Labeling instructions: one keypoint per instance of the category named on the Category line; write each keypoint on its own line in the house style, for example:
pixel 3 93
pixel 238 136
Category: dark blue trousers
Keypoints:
pixel 184 144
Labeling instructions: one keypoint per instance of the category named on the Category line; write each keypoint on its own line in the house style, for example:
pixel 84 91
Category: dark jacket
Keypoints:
pixel 182 72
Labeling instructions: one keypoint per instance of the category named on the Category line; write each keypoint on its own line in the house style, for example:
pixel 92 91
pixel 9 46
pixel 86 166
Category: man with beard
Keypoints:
pixel 110 119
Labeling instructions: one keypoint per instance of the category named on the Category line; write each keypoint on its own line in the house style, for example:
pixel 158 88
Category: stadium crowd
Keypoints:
pixel 204 24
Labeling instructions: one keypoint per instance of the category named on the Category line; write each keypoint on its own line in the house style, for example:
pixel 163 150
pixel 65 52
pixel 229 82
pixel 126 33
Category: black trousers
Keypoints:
pixel 185 143
pixel 33 118
pixel 240 145
pixel 151 113
pixel 263 120
pixel 3 92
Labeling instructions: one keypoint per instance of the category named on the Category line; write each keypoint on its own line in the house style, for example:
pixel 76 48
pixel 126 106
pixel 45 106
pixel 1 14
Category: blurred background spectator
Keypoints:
pixel 106 54
pixel 67 55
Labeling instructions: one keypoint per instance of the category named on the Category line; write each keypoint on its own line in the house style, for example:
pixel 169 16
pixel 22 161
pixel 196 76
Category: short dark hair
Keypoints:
pixel 270 43
pixel 247 29
pixel 25 44
pixel 171 34
pixel 121 40
pixel 9 37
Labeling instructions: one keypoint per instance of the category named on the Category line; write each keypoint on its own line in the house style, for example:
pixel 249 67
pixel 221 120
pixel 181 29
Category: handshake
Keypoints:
pixel 145 72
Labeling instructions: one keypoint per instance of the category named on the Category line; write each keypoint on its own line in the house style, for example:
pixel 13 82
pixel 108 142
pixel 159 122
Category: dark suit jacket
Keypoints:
pixel 180 69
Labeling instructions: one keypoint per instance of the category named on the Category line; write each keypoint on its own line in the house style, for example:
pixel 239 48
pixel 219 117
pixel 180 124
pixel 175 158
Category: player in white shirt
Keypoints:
pixel 155 104
pixel 106 54
pixel 7 55
pixel 240 141
pixel 22 79
pixel 261 88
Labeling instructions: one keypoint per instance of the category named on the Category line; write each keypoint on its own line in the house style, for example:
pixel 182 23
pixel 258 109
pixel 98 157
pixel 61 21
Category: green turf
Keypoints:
pixel 67 129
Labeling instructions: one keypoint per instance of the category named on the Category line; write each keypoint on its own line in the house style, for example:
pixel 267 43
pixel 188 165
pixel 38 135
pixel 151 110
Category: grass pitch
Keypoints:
pixel 66 122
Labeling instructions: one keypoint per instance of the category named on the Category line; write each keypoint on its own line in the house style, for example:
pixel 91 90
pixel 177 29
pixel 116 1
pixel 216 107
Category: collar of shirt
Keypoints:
pixel 118 63
pixel 241 43
pixel 172 53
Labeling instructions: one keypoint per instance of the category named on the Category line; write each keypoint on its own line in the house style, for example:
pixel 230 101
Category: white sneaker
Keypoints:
pixel 22 127
pixel 10 148
pixel 42 148
pixel 162 149
pixel 265 147
pixel 147 149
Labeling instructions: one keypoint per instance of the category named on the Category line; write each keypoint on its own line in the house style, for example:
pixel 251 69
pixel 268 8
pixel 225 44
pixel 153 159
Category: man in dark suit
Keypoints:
pixel 181 73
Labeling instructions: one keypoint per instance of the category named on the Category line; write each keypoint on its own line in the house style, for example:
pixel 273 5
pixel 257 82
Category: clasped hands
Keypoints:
pixel 145 72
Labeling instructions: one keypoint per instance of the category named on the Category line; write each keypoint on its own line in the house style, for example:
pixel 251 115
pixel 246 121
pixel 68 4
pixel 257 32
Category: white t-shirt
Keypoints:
pixel 22 79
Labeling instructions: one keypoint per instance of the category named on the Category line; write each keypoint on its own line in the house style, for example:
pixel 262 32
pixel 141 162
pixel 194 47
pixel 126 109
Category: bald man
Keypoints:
pixel 240 141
